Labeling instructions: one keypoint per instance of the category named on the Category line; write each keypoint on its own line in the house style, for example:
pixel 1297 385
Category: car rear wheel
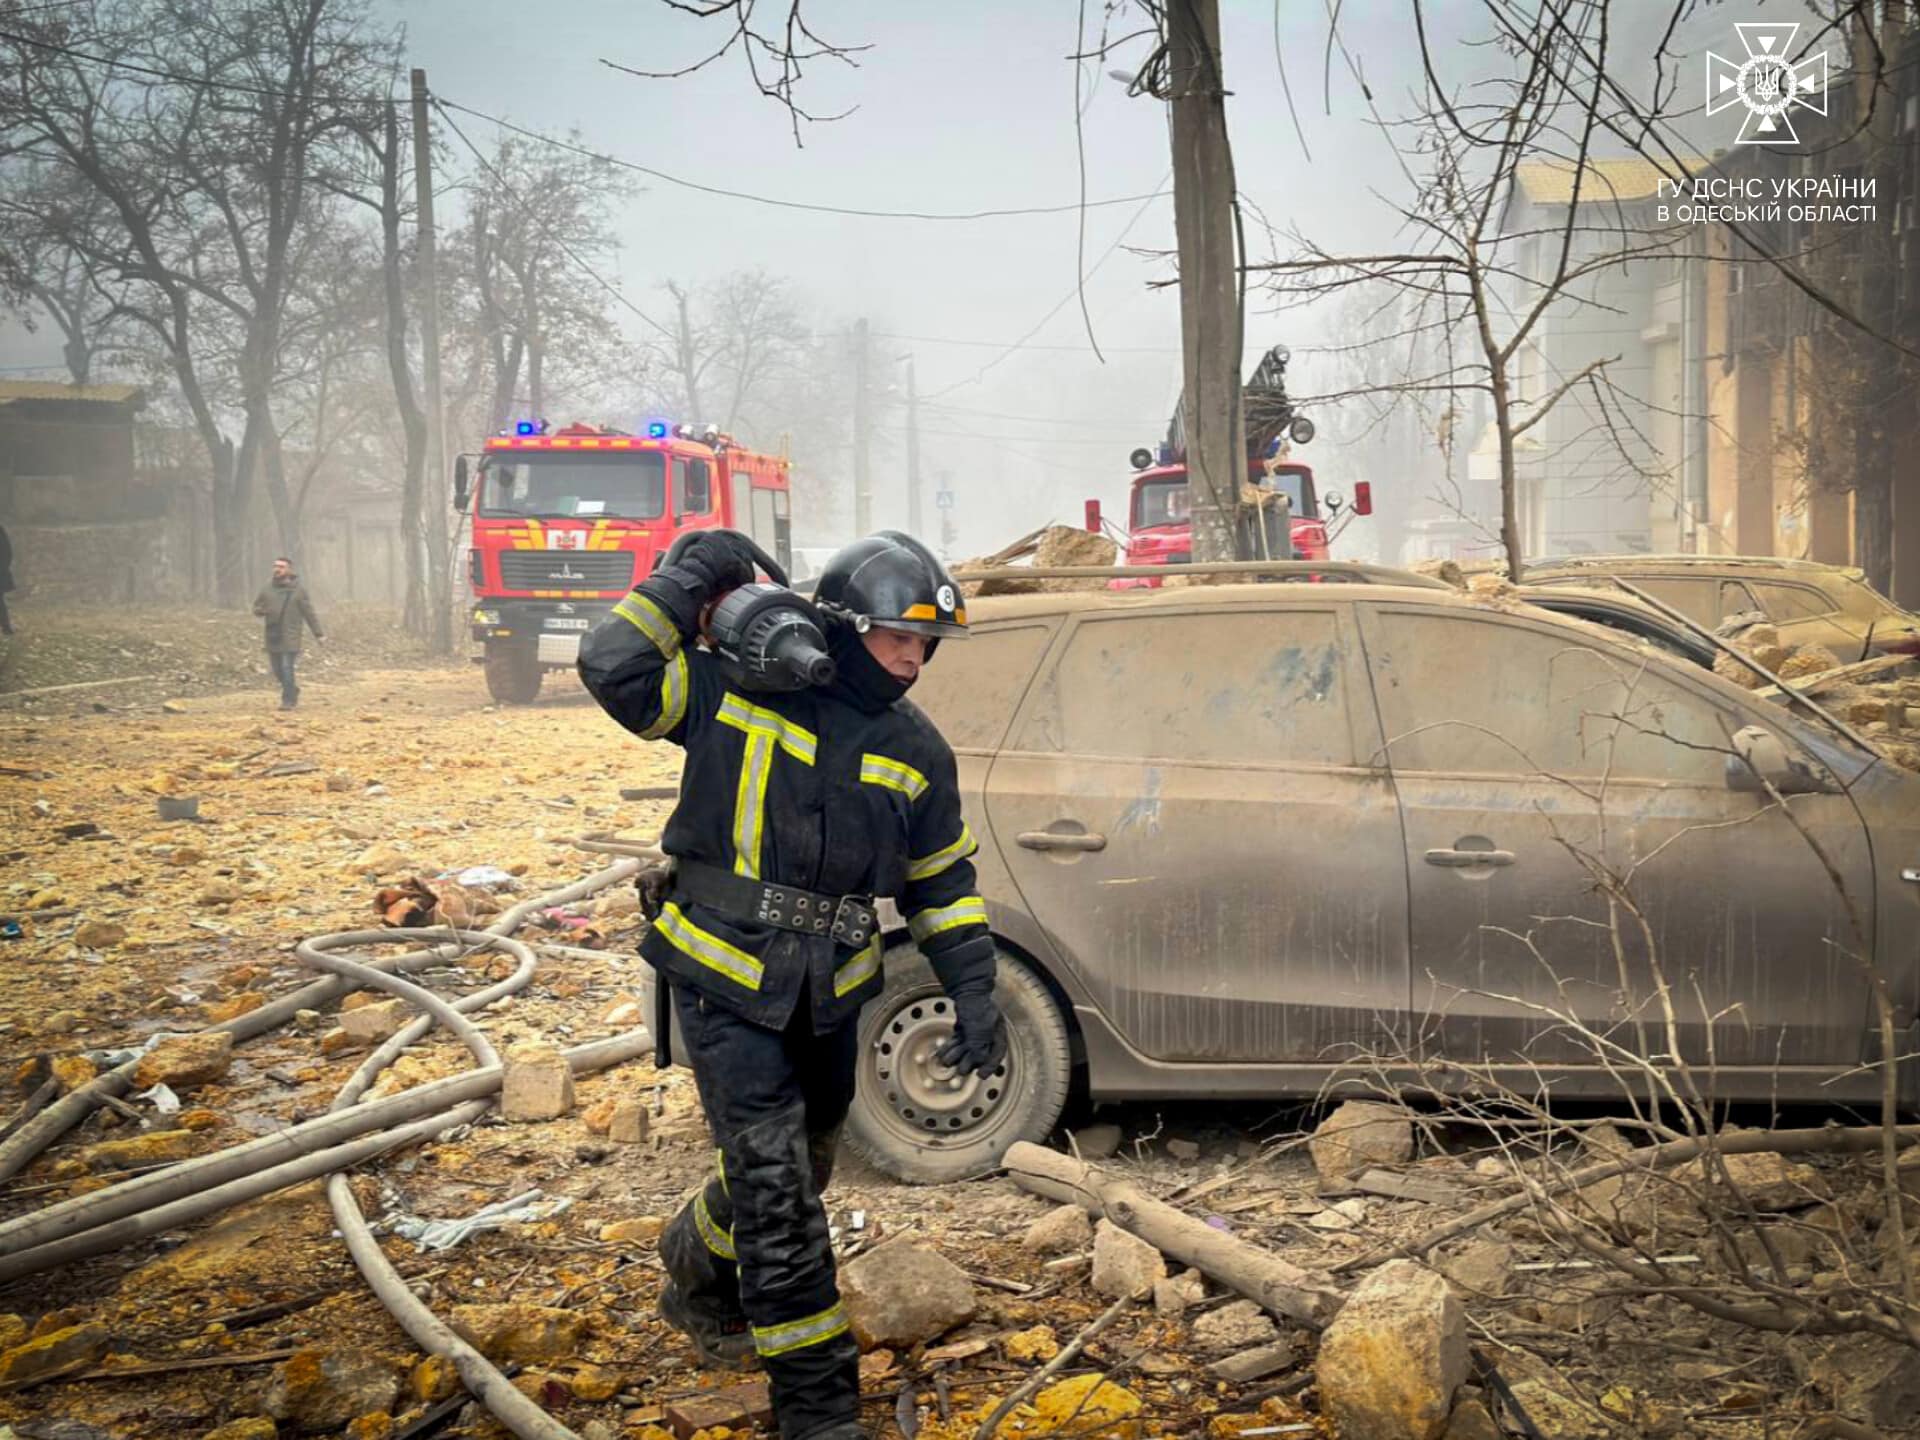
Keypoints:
pixel 917 1121
pixel 513 674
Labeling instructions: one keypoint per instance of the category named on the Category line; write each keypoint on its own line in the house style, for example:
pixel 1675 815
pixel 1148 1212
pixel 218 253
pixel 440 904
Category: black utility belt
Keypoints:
pixel 849 919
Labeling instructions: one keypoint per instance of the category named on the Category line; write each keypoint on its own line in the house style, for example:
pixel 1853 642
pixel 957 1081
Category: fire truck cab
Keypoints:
pixel 564 523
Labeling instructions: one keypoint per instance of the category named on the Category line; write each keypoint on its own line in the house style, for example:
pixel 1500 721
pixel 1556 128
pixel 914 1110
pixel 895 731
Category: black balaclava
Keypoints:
pixel 859 679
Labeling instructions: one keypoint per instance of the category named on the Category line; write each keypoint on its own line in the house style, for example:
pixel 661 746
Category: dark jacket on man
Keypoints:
pixel 284 605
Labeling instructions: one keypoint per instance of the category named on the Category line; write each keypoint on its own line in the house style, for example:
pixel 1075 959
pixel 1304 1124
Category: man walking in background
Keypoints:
pixel 284 605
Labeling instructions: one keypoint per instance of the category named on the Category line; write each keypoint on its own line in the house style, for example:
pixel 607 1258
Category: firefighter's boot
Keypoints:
pixel 701 1296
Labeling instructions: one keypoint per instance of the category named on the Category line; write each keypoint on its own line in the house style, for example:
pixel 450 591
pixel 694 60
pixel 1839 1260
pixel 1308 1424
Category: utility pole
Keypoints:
pixel 913 454
pixel 1203 195
pixel 439 552
pixel 862 435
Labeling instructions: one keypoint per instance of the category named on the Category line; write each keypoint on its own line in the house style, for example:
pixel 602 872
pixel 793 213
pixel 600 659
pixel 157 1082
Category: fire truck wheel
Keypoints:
pixel 920 1123
pixel 513 674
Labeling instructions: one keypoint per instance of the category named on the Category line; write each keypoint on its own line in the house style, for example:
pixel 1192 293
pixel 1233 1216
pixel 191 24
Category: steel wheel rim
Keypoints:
pixel 918 1100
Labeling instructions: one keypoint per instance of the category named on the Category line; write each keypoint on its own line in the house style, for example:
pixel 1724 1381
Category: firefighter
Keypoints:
pixel 796 811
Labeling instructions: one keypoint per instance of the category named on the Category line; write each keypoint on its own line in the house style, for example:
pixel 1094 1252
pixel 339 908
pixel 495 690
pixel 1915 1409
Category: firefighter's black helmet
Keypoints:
pixel 893 581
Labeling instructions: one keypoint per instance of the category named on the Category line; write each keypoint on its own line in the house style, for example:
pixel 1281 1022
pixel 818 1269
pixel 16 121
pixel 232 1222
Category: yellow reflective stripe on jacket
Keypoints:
pixel 798 1334
pixel 673 698
pixel 858 970
pixel 928 923
pixel 650 620
pixel 894 774
pixel 719 1241
pixel 945 858
pixel 706 948
pixel 764 730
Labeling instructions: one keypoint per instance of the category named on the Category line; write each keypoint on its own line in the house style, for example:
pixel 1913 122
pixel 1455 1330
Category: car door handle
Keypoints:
pixel 1048 840
pixel 1462 859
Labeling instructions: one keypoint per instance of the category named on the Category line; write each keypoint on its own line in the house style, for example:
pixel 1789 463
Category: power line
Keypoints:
pixel 819 209
pixel 1011 344
pixel 1067 299
pixel 547 229
pixel 961 412
pixel 1005 439
pixel 200 82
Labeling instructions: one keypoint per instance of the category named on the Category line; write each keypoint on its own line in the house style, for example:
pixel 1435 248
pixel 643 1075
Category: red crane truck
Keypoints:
pixel 564 523
pixel 1159 526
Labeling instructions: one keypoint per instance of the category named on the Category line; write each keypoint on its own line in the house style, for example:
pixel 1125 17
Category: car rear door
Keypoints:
pixel 1188 806
pixel 1572 844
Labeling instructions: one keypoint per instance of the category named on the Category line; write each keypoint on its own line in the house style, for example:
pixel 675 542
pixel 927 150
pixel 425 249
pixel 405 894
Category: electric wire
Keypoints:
pixel 808 205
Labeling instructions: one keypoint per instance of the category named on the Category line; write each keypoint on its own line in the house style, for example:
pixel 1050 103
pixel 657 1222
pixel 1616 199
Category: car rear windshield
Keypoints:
pixel 549 485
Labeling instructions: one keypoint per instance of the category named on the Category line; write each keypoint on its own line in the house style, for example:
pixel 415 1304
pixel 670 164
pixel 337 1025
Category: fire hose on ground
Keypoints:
pixel 354 1130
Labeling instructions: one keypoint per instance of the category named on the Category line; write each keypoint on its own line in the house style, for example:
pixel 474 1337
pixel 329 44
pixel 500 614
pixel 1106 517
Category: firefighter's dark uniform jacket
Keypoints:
pixel 846 790
pixel 811 789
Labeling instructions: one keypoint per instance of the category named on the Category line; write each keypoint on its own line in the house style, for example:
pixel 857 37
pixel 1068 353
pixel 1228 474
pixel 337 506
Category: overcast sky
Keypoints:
pixel 956 107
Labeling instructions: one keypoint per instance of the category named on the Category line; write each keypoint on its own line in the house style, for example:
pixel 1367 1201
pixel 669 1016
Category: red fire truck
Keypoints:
pixel 1159 526
pixel 565 522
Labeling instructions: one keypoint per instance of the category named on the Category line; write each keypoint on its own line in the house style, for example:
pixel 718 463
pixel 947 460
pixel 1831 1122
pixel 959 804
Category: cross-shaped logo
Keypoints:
pixel 1768 82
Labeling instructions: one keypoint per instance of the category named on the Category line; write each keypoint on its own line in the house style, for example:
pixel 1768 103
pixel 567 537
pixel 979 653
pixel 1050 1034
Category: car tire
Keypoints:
pixel 513 674
pixel 905 1124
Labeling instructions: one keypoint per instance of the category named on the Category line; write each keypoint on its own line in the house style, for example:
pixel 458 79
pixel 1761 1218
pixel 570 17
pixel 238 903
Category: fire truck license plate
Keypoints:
pixel 563 624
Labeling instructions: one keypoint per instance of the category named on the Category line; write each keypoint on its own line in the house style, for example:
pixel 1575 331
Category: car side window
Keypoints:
pixel 1235 687
pixel 972 687
pixel 1468 693
pixel 1784 603
pixel 1698 600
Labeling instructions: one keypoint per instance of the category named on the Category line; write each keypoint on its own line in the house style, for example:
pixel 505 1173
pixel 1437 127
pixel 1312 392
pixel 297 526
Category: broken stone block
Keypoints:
pixel 1040 1343
pixel 1393 1358
pixel 156 1147
pixel 631 1123
pixel 537 1085
pixel 905 1294
pixel 1097 1142
pixel 336 1042
pixel 13 1331
pixel 1065 1230
pixel 370 1024
pixel 1482 1268
pixel 317 1389
pixel 73 1071
pixel 71 1348
pixel 1808 660
pixel 1184 1150
pixel 1576 1303
pixel 184 1060
pixel 732 1409
pixel 1174 1295
pixel 1767 1181
pixel 1550 1400
pixel 1243 1325
pixel 1358 1134
pixel 99 935
pixel 1255 1364
pixel 1088 1405
pixel 598 1117
pixel 234 1006
pixel 255 1428
pixel 1124 1264
pixel 1470 1421
pixel 522 1334
pixel 375 1426
pixel 1870 1379
pixel 639 1230
pixel 433 1380
pixel 595 1383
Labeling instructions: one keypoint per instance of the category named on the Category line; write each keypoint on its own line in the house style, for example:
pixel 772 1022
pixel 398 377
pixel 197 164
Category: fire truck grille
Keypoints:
pixel 566 569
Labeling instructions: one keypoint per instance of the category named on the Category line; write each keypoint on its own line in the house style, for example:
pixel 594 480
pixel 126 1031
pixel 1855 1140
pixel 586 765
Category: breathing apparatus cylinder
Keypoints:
pixel 770 639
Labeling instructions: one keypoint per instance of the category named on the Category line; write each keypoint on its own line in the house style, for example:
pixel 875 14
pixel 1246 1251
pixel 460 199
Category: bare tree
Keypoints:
pixel 1480 289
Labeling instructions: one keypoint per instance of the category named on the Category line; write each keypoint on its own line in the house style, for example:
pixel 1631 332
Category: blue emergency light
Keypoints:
pixel 656 429
pixel 525 427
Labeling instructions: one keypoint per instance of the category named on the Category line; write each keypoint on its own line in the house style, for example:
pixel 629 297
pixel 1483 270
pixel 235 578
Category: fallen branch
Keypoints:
pixel 1828 1140
pixel 1261 1276
pixel 172 1367
pixel 1066 1357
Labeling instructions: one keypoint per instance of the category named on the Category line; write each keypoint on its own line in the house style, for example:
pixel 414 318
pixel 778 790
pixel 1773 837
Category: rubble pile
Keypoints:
pixel 1878 697
pixel 1052 547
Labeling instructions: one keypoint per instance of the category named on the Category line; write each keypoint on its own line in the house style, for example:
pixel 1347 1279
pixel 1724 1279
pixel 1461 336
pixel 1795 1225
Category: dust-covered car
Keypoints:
pixel 1236 838
pixel 1810 603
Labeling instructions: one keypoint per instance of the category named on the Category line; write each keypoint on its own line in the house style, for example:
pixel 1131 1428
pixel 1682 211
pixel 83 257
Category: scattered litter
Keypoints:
pixel 162 1097
pixel 445 1234
pixel 10 930
pixel 483 877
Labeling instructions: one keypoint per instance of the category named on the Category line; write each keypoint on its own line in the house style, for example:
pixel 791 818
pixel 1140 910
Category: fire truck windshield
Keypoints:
pixel 1166 502
pixel 558 485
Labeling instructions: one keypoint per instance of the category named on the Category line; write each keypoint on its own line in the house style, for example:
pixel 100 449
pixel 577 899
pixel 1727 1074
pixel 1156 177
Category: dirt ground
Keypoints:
pixel 389 772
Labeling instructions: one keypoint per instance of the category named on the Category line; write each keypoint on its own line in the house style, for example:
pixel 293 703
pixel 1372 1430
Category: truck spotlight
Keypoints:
pixel 1301 430
pixel 1141 458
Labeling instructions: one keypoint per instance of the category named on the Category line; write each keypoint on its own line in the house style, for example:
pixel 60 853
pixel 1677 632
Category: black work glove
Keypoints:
pixel 654 883
pixel 717 561
pixel 979 1040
